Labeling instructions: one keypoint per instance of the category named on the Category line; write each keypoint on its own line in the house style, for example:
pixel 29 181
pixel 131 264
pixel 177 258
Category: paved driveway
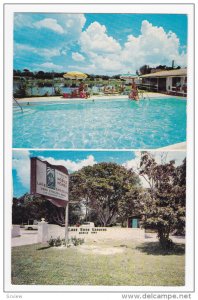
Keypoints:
pixel 27 237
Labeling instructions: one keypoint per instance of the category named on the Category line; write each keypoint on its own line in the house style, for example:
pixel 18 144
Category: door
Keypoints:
pixel 134 223
pixel 162 84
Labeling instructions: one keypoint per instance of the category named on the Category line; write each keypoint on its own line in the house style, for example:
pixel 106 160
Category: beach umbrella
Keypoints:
pixel 128 76
pixel 75 75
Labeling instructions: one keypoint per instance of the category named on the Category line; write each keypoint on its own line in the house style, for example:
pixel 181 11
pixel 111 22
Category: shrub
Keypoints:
pixel 77 241
pixel 51 242
pixel 56 242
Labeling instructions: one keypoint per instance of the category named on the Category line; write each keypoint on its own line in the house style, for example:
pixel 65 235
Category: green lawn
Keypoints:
pixel 139 264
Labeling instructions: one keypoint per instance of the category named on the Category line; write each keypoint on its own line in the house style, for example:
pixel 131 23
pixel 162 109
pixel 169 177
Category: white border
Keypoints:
pixel 95 8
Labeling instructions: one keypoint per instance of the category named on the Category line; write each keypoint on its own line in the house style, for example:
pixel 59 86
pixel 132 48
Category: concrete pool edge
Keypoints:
pixel 102 97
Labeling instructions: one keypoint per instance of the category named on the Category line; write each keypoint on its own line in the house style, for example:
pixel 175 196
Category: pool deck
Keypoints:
pixel 106 97
pixel 178 146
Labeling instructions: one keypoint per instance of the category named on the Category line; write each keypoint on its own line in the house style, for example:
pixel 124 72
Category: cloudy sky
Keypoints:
pixel 98 43
pixel 75 160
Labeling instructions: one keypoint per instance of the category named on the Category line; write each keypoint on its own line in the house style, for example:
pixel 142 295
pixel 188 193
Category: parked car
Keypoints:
pixel 32 225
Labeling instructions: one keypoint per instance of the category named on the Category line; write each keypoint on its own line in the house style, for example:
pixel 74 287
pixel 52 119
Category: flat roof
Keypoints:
pixel 177 72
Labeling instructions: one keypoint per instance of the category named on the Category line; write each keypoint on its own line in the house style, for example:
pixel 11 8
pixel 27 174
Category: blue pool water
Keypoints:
pixel 102 124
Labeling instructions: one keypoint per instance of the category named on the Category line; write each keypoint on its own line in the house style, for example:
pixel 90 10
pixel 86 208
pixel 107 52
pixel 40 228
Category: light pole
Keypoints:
pixel 53 90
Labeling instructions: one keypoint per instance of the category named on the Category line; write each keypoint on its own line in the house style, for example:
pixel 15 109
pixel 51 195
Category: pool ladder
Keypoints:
pixel 18 104
pixel 146 95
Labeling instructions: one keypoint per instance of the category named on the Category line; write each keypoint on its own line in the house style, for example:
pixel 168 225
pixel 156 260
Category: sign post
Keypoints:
pixel 52 183
pixel 66 224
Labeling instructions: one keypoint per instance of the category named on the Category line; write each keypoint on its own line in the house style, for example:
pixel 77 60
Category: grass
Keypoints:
pixel 138 265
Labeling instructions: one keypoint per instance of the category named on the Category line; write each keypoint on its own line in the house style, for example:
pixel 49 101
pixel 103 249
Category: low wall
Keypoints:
pixel 98 233
pixel 16 231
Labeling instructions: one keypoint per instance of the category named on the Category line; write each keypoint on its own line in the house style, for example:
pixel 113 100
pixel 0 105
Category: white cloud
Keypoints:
pixel 160 157
pixel 72 166
pixel 133 163
pixel 95 39
pixel 74 20
pixel 43 52
pixel 153 47
pixel 103 50
pixel 164 157
pixel 21 163
pixel 49 23
pixel 50 66
pixel 70 25
pixel 107 62
pixel 22 20
pixel 88 68
pixel 77 56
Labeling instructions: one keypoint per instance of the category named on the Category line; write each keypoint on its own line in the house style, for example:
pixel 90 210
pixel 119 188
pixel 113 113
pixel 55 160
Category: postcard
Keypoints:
pixel 99 149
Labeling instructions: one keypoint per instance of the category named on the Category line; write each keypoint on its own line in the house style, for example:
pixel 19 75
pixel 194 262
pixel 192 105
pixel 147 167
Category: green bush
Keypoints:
pixel 51 242
pixel 77 241
pixel 56 242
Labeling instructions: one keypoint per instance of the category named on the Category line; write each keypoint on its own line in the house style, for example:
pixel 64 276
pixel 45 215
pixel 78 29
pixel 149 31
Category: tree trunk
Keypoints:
pixel 165 242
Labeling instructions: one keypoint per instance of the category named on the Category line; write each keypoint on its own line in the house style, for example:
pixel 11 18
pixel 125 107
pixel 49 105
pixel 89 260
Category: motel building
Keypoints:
pixel 172 82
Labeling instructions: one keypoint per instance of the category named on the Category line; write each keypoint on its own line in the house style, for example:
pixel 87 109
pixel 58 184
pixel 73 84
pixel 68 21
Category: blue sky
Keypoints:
pixel 98 43
pixel 74 161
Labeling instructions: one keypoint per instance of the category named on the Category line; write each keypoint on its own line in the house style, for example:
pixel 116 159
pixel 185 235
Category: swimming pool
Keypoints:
pixel 101 124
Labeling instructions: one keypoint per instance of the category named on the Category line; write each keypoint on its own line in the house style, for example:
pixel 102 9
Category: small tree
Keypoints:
pixel 164 207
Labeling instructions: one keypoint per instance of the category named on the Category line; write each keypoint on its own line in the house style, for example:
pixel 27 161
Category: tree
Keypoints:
pixel 180 181
pixel 30 207
pixel 17 212
pixel 100 187
pixel 131 203
pixel 164 206
pixel 145 69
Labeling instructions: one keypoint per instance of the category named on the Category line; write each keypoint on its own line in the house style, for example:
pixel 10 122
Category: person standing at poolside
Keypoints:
pixel 134 92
